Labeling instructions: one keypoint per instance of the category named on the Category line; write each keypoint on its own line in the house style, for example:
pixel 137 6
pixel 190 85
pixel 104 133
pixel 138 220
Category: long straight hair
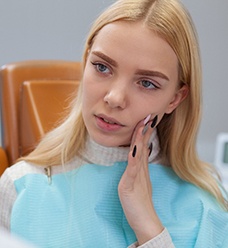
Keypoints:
pixel 177 131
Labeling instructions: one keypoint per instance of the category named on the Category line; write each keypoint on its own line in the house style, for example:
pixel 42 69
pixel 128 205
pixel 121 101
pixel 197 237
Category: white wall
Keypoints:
pixel 212 24
pixel 56 29
pixel 45 29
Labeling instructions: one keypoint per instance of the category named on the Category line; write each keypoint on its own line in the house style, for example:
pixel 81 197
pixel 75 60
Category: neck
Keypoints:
pixel 97 154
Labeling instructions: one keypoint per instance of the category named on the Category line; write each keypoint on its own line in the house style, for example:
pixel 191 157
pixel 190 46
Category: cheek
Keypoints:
pixel 87 82
pixel 89 90
pixel 87 100
pixel 158 105
pixel 154 106
pixel 165 101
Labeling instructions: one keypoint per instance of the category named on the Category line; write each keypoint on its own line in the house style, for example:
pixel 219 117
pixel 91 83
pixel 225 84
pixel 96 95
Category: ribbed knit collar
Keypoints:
pixel 101 155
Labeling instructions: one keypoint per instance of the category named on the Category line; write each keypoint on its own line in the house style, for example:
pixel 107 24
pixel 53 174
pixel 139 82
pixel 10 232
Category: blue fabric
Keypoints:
pixel 81 208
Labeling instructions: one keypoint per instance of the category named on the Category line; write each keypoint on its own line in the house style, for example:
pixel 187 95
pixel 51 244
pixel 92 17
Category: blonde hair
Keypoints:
pixel 177 131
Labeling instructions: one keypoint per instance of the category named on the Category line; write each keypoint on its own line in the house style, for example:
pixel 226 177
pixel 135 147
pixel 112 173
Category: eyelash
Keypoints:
pixel 151 83
pixel 96 65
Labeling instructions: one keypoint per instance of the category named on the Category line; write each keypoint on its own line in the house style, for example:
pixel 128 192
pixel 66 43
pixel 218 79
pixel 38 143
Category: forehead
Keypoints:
pixel 135 44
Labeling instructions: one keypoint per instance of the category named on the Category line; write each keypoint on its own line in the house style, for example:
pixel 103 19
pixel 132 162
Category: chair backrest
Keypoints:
pixel 20 83
pixel 43 105
pixel 3 161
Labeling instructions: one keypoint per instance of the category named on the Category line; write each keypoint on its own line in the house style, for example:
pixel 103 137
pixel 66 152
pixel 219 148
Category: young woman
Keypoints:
pixel 122 169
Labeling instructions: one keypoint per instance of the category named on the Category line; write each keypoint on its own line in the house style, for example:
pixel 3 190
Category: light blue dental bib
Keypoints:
pixel 81 208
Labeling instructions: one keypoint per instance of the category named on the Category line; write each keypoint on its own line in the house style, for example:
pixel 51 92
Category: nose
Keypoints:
pixel 116 97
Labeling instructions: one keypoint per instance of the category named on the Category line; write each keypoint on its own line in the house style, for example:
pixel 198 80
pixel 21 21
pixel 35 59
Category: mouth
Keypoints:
pixel 107 123
pixel 109 120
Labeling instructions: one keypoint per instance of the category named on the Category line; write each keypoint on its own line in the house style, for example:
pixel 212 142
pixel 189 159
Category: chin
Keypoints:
pixel 109 141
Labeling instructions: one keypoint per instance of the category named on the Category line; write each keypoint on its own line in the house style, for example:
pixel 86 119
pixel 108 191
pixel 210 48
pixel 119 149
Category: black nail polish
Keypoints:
pixel 134 151
pixel 150 149
pixel 154 122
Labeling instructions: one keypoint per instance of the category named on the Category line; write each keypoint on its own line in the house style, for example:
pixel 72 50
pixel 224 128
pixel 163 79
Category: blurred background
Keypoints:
pixel 56 29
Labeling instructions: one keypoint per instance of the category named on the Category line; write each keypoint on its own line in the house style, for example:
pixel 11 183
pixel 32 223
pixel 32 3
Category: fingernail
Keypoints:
pixel 134 151
pixel 154 122
pixel 150 149
pixel 145 129
pixel 147 119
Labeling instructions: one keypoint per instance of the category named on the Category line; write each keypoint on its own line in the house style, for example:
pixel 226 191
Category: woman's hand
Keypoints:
pixel 135 189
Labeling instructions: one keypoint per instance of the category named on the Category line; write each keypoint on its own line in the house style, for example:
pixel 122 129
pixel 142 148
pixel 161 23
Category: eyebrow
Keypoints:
pixel 138 72
pixel 105 57
pixel 152 73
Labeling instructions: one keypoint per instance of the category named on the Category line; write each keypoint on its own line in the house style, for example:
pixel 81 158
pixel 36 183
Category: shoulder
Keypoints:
pixel 186 210
pixel 180 197
pixel 21 169
pixel 12 174
pixel 167 182
pixel 8 192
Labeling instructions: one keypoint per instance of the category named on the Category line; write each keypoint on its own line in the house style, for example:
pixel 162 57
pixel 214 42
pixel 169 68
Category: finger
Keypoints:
pixel 139 126
pixel 148 130
pixel 141 137
pixel 143 123
pixel 137 169
pixel 140 147
pixel 150 125
pixel 150 148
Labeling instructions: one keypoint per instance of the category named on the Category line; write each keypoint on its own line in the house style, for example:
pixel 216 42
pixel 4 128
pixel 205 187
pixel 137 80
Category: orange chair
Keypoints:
pixel 3 161
pixel 43 105
pixel 28 90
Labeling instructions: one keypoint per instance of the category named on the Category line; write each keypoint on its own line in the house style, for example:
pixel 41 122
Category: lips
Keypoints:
pixel 109 120
pixel 107 124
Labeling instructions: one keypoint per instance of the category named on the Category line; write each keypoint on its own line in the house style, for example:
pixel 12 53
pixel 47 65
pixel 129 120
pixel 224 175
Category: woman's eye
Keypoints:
pixel 148 84
pixel 101 68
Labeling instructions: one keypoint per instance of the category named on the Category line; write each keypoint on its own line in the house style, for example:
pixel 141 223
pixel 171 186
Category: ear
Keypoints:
pixel 179 96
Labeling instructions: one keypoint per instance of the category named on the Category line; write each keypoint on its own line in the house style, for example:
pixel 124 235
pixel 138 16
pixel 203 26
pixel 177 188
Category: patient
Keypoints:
pixel 122 169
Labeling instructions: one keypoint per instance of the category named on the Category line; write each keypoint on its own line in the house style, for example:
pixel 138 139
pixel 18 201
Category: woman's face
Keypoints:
pixel 130 73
